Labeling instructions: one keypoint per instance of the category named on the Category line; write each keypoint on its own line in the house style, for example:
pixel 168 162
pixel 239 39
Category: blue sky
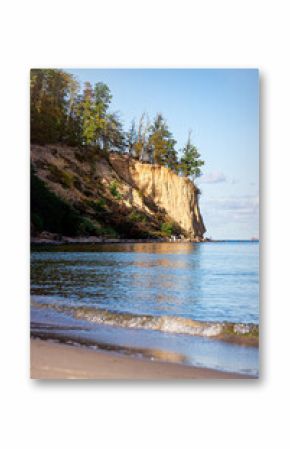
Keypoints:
pixel 221 107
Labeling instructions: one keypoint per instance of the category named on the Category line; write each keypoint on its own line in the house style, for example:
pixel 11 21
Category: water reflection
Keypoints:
pixel 156 247
pixel 205 282
pixel 215 282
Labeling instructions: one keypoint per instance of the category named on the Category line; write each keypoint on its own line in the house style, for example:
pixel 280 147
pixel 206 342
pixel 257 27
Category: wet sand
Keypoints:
pixel 59 361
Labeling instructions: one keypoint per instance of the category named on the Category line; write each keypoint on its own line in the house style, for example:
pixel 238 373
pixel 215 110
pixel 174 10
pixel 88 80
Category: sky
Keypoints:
pixel 221 108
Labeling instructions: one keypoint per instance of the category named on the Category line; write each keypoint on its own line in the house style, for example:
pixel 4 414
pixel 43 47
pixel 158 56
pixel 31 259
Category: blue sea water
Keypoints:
pixel 144 298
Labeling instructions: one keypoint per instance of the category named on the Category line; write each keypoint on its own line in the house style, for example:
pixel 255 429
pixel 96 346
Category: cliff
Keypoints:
pixel 110 195
pixel 176 195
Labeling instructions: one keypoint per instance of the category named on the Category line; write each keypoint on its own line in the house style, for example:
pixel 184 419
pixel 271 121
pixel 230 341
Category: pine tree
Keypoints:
pixel 109 133
pixel 190 162
pixel 113 134
pixel 87 115
pixel 162 143
pixel 102 100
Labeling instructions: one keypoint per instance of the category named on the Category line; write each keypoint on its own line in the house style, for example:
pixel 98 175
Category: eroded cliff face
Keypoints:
pixel 115 195
pixel 174 194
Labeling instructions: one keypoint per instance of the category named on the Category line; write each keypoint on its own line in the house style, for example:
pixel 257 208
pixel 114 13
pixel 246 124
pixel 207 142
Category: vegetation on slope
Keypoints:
pixel 76 196
pixel 72 130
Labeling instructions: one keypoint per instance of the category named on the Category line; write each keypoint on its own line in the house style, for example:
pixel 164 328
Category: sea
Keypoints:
pixel 162 301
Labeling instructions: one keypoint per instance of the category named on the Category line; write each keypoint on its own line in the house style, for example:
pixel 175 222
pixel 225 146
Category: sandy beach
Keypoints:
pixel 58 361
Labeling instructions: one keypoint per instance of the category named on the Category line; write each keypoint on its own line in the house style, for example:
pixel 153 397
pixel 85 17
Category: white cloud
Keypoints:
pixel 231 216
pixel 244 204
pixel 242 209
pixel 212 178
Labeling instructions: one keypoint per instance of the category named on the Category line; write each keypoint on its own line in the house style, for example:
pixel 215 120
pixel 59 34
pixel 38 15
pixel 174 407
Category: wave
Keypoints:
pixel 247 333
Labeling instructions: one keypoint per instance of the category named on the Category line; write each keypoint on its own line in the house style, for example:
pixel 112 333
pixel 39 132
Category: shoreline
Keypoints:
pixel 59 240
pixel 95 240
pixel 50 360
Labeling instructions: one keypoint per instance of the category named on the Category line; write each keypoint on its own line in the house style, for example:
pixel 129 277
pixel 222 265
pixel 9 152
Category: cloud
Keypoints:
pixel 213 178
pixel 232 216
pixel 233 208
pixel 245 203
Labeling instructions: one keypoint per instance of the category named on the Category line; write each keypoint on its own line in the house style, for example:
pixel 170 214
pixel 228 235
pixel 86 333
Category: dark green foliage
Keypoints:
pixel 167 228
pixel 60 114
pixel 190 162
pixel 49 212
pixel 162 144
pixel 153 143
pixel 108 231
pixel 53 94
pixel 87 115
pixel 114 190
pixel 137 217
pixel 100 205
pixel 86 227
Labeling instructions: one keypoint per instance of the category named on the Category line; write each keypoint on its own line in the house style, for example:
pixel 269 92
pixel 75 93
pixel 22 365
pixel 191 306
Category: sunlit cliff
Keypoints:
pixel 112 195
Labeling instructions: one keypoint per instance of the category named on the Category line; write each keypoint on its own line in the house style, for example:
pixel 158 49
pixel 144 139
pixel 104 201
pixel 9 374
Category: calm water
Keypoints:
pixel 142 298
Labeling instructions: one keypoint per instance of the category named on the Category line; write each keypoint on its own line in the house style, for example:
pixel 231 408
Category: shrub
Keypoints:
pixel 108 231
pixel 86 227
pixel 114 190
pixel 66 179
pixel 167 228
pixel 99 205
pixel 137 217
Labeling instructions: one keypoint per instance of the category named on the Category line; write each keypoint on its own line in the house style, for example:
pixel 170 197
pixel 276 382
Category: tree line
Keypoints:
pixel 63 113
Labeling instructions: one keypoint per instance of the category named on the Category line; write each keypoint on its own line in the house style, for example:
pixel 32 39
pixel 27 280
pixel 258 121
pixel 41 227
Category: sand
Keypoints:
pixel 59 361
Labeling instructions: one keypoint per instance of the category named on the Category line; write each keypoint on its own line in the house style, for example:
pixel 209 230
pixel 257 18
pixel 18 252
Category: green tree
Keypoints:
pixel 102 100
pixel 162 144
pixel 52 93
pixel 113 135
pixel 87 115
pixel 190 162
pixel 109 132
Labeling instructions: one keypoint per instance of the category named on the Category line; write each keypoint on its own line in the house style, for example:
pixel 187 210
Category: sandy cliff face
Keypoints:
pixel 174 194
pixel 118 194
